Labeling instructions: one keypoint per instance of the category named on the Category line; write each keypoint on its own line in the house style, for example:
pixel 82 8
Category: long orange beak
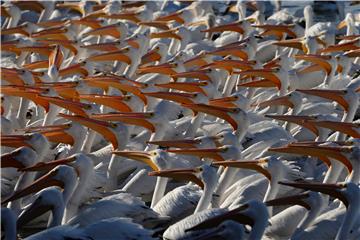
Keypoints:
pixel 277 30
pixel 284 101
pixel 141 156
pixel 305 121
pixel 166 68
pixel 341 47
pixel 56 57
pixel 156 24
pixel 41 183
pixel 104 47
pixel 78 7
pixel 180 174
pixel 30 5
pixel 166 34
pixel 52 33
pixel 110 30
pixel 291 43
pixel 267 74
pixel 227 102
pixel 131 16
pixel 230 65
pixel 49 165
pixel 92 23
pixel 101 127
pixel 183 143
pixel 199 74
pixel 15 140
pixel 111 56
pixel 172 17
pixel 333 190
pixel 115 102
pixel 42 50
pixel 198 60
pixel 213 153
pixel 321 152
pixel 344 127
pixel 192 87
pixel 334 95
pixel 321 60
pixel 173 96
pixel 290 200
pixel 54 133
pixel 219 112
pixel 151 56
pixel 353 53
pixel 138 119
pixel 237 51
pixel 72 106
pixel 15 30
pixel 257 165
pixel 233 27
pixel 74 69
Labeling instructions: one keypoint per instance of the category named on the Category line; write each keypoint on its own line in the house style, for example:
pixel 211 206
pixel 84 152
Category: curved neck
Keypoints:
pixel 205 199
pixel 271 192
pixel 159 190
pixel 225 180
pixel 350 217
pixel 195 124
pixel 9 225
pixel 56 215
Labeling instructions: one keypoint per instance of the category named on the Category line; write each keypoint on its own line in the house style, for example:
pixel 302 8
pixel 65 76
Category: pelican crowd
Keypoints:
pixel 180 120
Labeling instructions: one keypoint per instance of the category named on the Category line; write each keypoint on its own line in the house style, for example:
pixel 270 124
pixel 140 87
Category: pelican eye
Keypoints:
pixel 113 125
pixel 87 107
pixel 157 48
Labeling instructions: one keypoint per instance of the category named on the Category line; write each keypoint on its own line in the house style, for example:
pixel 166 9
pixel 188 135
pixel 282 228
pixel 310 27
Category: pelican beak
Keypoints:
pixel 321 152
pixel 166 68
pixel 277 30
pixel 304 121
pixel 100 127
pixel 267 74
pixel 351 45
pixel 229 65
pixel 173 96
pixel 321 60
pixel 156 24
pixel 233 27
pixel 213 153
pixel 56 57
pixel 49 165
pixel 181 174
pixel 133 43
pixel 36 65
pixel 51 33
pixel 259 84
pixel 110 30
pixel 183 143
pixel 227 102
pixel 350 129
pixel 54 133
pixel 333 190
pixel 290 200
pixel 166 34
pixel 8 160
pixel 74 69
pixel 192 87
pixel 15 141
pixel 75 107
pixel 138 119
pixel 41 183
pixel 15 30
pixel 258 165
pixel 199 74
pixel 92 23
pixel 341 25
pixel 30 5
pixel 151 56
pixel 236 51
pixel 112 56
pixel 292 43
pixel 176 16
pixel 144 157
pixel 131 16
pixel 283 101
pixel 273 63
pixel 42 50
pixel 196 61
pixel 115 102
pixel 77 7
pixel 220 112
pixel 334 95
pixel 233 215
